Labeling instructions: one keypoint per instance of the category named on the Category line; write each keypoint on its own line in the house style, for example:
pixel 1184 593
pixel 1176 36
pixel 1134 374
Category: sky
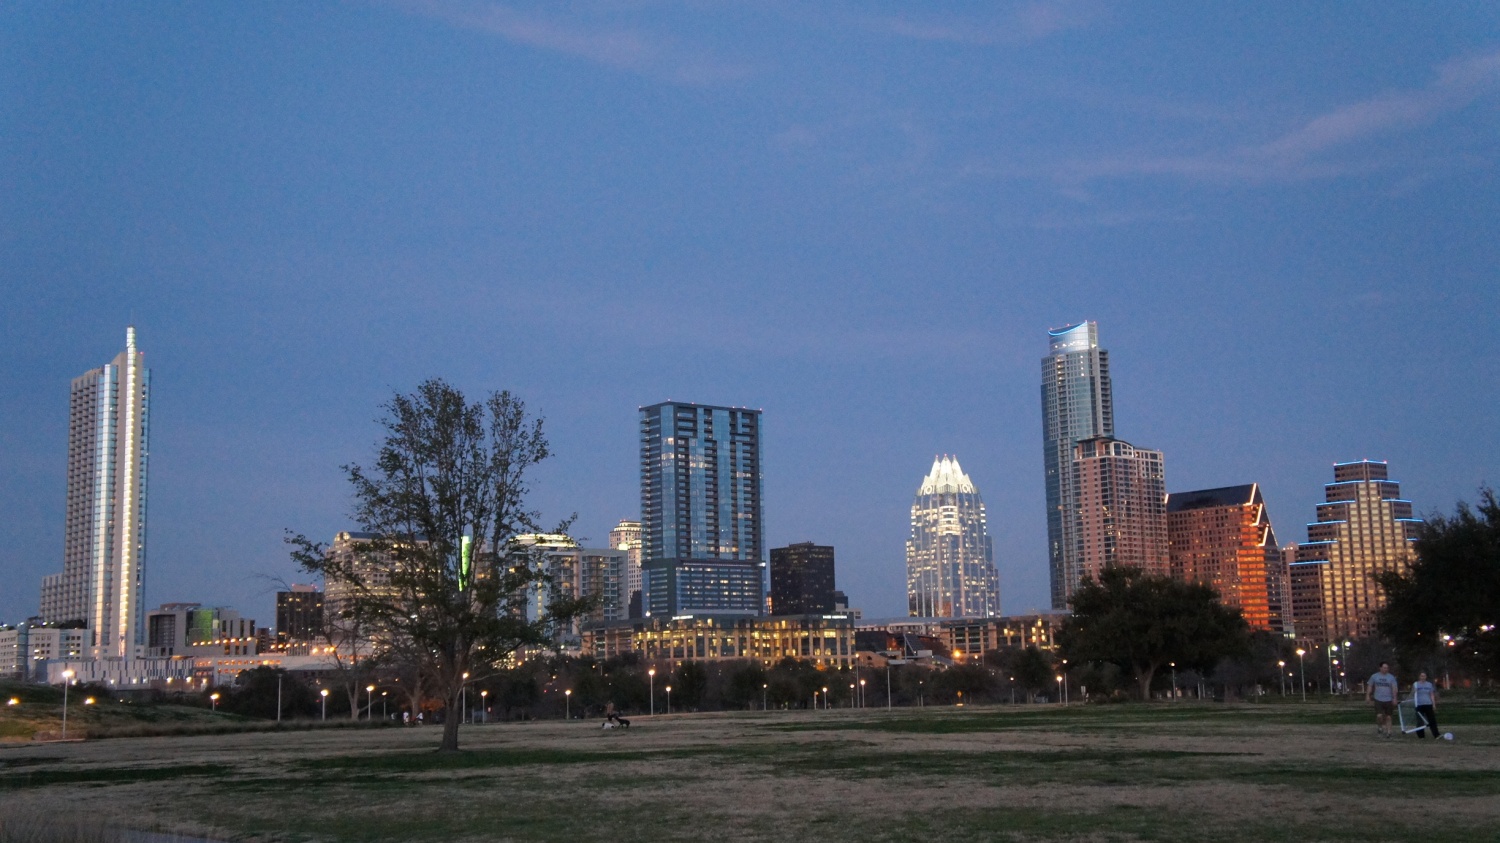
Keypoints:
pixel 861 218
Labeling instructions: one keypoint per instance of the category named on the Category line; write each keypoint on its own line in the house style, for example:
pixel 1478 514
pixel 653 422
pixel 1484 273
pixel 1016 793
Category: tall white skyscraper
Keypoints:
pixel 950 563
pixel 1077 404
pixel 104 543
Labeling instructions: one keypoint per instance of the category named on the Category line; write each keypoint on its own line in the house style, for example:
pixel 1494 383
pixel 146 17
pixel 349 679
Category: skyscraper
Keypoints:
pixel 104 540
pixel 702 549
pixel 1077 404
pixel 299 614
pixel 1223 538
pixel 950 563
pixel 1119 508
pixel 802 579
pixel 1364 528
pixel 626 536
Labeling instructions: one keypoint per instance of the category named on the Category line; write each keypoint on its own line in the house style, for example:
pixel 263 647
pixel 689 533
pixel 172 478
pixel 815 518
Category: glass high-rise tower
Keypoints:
pixel 950 562
pixel 104 541
pixel 702 546
pixel 1076 405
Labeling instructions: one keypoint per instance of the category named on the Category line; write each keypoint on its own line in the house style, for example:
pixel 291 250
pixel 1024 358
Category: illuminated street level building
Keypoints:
pixel 1222 538
pixel 950 562
pixel 1077 404
pixel 825 640
pixel 973 637
pixel 104 543
pixel 802 579
pixel 1364 528
pixel 1119 509
pixel 702 546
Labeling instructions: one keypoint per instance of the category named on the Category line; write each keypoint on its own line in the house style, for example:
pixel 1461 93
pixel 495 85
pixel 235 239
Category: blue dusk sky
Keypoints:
pixel 861 218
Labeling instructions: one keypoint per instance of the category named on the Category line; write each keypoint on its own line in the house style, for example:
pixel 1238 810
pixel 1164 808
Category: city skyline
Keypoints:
pixel 859 220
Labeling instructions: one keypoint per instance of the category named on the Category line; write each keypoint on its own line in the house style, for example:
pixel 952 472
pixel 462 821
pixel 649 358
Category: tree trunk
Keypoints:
pixel 450 728
pixel 1144 673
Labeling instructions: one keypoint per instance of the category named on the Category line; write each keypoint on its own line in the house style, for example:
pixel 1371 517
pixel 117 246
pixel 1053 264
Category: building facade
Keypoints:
pixel 626 536
pixel 702 546
pixel 25 649
pixel 299 614
pixel 190 630
pixel 104 543
pixel 1077 404
pixel 950 562
pixel 1120 508
pixel 802 579
pixel 825 640
pixel 975 637
pixel 1223 538
pixel 1364 527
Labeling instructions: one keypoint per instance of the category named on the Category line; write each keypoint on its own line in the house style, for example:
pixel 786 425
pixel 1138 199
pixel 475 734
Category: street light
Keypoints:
pixel 214 700
pixel 1059 689
pixel 324 694
pixel 370 695
pixel 1174 681
pixel 1281 675
pixel 652 675
pixel 278 694
pixel 861 693
pixel 568 704
pixel 383 715
pixel 764 690
pixel 67 680
pixel 669 699
pixel 1300 653
pixel 463 696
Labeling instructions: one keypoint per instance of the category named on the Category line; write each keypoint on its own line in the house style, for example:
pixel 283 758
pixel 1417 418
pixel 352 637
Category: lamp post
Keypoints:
pixel 484 705
pixel 1013 690
pixel 1344 672
pixel 861 693
pixel 370 696
pixel 463 695
pixel 67 680
pixel 1303 662
pixel 651 675
pixel 383 715
pixel 669 699
pixel 815 700
pixel 852 694
pixel 1281 675
pixel 213 700
pixel 765 688
pixel 1059 689
pixel 568 704
pixel 1174 681
pixel 324 694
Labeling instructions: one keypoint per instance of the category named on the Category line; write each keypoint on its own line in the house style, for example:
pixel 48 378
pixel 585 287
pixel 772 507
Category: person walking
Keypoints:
pixel 1424 697
pixel 1381 689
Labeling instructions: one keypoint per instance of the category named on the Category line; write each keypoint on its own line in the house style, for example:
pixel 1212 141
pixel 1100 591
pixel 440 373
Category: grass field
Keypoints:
pixel 1279 772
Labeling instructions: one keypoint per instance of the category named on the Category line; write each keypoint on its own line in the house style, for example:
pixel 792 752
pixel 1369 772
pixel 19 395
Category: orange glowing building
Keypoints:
pixel 1223 538
pixel 1364 528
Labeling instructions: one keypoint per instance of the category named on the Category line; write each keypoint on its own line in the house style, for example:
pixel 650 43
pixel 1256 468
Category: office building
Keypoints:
pixel 1077 404
pixel 802 580
pixel 825 640
pixel 1364 527
pixel 702 546
pixel 950 563
pixel 26 648
pixel 104 542
pixel 299 614
pixel 193 630
pixel 1119 509
pixel 626 536
pixel 1223 538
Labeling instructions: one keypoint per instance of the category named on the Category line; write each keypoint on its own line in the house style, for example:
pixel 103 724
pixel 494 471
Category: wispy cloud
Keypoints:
pixel 1333 144
pixel 627 49
pixel 1020 24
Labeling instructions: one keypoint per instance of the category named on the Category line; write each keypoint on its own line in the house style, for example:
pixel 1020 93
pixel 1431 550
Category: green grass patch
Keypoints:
pixel 102 775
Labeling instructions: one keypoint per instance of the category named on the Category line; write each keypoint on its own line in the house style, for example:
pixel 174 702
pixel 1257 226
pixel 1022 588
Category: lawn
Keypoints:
pixel 1282 772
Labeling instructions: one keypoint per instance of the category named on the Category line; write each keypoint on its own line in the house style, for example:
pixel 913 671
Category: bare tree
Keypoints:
pixel 433 579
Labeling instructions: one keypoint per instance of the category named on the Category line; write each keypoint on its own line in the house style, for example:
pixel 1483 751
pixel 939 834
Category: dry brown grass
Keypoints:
pixel 1123 774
